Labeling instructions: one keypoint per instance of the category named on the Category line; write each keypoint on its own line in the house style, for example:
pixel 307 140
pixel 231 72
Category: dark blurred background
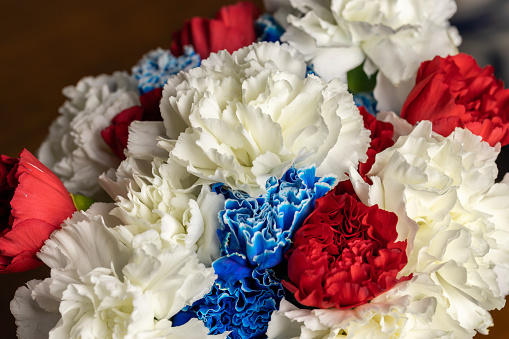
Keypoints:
pixel 45 46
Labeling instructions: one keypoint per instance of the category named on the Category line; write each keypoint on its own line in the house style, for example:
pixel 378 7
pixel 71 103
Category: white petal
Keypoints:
pixel 32 321
pixel 84 244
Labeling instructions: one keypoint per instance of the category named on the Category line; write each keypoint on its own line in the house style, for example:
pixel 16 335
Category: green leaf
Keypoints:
pixel 358 81
pixel 81 202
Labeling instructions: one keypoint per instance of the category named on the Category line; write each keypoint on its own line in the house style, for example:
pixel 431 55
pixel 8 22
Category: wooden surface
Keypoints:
pixel 45 46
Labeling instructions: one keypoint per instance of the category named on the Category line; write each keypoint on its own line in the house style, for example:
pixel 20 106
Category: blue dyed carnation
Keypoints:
pixel 257 232
pixel 243 307
pixel 367 100
pixel 267 29
pixel 157 66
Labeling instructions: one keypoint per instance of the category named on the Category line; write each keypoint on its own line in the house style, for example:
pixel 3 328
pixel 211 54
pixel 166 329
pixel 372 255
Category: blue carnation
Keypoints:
pixel 157 66
pixel 267 29
pixel 243 307
pixel 367 100
pixel 257 232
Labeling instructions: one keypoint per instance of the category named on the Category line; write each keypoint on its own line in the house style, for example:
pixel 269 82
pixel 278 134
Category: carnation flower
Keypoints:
pixel 34 203
pixel 455 92
pixel 243 307
pixel 233 28
pixel 394 38
pixel 153 201
pixel 436 183
pixel 345 254
pixel 253 114
pixel 74 149
pixel 260 230
pixel 155 67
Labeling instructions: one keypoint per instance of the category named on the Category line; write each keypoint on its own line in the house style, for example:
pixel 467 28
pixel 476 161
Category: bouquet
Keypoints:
pixel 322 170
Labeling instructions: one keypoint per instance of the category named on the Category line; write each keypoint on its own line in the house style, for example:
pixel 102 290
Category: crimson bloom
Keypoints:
pixel 233 28
pixel 117 133
pixel 455 92
pixel 345 254
pixel 33 203
pixel 381 138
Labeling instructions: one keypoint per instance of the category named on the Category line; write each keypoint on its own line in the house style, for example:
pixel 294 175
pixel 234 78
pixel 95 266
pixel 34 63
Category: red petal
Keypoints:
pixel 40 194
pixel 27 236
pixel 233 28
pixel 21 263
pixel 199 29
pixel 176 47
pixel 239 15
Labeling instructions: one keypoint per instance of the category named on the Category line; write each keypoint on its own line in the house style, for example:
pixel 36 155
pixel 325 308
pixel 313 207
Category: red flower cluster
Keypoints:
pixel 381 138
pixel 117 134
pixel 33 203
pixel 233 28
pixel 455 92
pixel 345 253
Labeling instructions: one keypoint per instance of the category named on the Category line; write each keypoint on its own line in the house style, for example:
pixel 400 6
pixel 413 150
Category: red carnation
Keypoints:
pixel 455 92
pixel 345 254
pixel 34 203
pixel 381 138
pixel 117 134
pixel 233 28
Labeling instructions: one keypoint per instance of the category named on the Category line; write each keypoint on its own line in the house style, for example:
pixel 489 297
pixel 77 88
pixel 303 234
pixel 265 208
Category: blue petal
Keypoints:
pixel 232 268
pixel 182 317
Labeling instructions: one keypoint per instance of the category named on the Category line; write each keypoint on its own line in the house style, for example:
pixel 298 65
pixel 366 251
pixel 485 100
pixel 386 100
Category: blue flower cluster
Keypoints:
pixel 157 66
pixel 243 307
pixel 367 100
pixel 257 232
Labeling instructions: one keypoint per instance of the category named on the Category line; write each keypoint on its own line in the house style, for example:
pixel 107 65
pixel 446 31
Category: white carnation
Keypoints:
pixel 393 37
pixel 440 188
pixel 253 114
pixel 74 148
pixel 182 218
